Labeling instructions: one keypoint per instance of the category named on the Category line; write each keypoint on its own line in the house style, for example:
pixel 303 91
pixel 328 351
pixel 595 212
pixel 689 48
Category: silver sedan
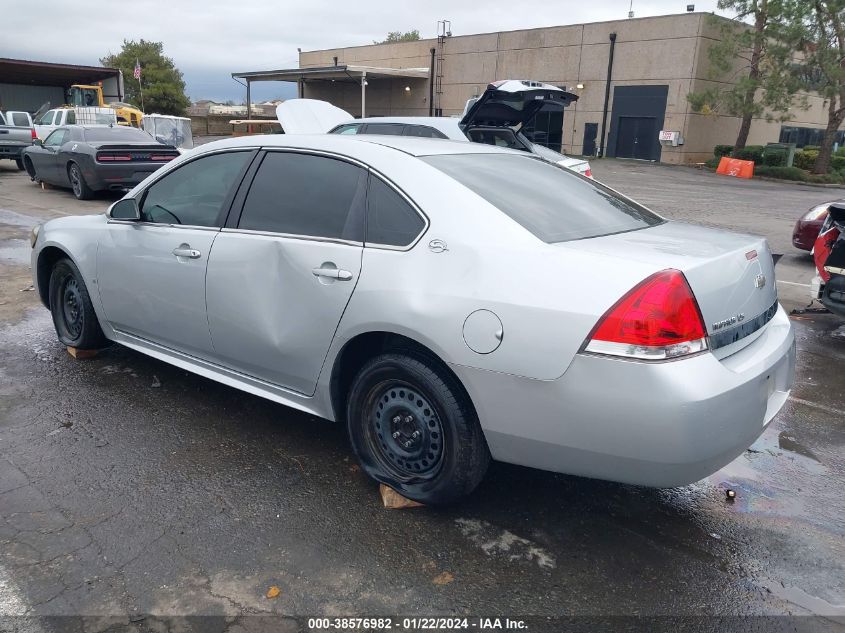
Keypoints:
pixel 448 303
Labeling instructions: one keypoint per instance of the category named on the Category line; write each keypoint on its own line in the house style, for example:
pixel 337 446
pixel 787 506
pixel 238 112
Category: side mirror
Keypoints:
pixel 37 141
pixel 125 209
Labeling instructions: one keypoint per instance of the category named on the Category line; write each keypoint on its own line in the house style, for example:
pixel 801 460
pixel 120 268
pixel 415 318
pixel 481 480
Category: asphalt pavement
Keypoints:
pixel 132 492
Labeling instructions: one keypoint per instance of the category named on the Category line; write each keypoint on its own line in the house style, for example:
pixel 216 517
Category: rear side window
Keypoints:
pixel 311 196
pixel 424 131
pixel 387 129
pixel 71 117
pixel 551 202
pixel 391 221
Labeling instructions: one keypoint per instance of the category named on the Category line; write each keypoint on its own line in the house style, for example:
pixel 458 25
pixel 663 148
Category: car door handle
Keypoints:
pixel 332 273
pixel 186 251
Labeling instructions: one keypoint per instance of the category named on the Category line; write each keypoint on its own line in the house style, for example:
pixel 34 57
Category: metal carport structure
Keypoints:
pixel 342 73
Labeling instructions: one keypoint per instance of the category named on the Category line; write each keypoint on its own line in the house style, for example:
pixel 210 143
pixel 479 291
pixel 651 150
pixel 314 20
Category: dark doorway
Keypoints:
pixel 591 131
pixel 636 120
pixel 636 137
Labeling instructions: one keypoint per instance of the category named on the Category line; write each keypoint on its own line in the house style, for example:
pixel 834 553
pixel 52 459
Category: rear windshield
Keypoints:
pixel 552 202
pixel 117 134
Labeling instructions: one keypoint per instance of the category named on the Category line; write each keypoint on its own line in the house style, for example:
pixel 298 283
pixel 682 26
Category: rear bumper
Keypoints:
pixel 654 424
pixel 11 152
pixel 117 177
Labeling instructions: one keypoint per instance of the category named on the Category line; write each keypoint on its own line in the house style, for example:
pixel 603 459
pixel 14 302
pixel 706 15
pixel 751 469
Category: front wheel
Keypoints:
pixel 77 182
pixel 413 428
pixel 73 313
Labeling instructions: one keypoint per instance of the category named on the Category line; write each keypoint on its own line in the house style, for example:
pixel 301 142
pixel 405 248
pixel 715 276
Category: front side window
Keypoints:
pixel 553 203
pixel 391 221
pixel 347 128
pixel 194 193
pixel 306 195
pixel 47 118
pixel 56 138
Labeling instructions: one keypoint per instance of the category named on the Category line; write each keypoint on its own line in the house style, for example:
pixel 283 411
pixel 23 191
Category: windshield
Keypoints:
pixel 175 132
pixel 551 202
pixel 116 134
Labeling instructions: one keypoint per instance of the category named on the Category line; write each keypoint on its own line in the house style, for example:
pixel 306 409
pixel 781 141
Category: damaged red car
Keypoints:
pixel 829 255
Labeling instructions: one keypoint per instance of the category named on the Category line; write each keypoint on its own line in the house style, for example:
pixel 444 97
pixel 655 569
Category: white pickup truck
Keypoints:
pixel 14 138
pixel 58 117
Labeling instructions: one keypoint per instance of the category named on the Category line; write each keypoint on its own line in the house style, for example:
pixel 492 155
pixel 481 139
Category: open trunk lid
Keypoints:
pixel 513 102
pixel 731 275
pixel 310 116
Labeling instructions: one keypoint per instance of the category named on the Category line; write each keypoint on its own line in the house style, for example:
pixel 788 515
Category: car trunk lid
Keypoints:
pixel 731 275
pixel 513 103
pixel 310 116
pixel 134 152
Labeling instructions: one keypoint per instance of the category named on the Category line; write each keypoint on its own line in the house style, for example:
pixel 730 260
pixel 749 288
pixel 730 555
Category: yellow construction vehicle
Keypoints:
pixel 81 95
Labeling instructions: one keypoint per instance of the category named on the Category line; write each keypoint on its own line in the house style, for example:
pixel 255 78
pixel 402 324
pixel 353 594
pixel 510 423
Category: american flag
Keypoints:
pixel 137 72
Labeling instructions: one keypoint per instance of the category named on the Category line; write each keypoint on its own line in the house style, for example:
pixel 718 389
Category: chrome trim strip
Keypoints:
pixel 162 225
pixel 726 337
pixel 291 236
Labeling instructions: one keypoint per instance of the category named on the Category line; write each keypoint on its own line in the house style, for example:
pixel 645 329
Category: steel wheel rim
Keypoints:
pixel 72 309
pixel 74 180
pixel 404 431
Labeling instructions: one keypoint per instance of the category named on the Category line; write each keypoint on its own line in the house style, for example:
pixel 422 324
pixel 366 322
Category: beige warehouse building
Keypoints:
pixel 657 62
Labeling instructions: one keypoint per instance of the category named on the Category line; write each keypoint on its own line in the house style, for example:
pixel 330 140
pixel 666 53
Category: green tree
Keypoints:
pixel 752 64
pixel 399 36
pixel 162 83
pixel 822 66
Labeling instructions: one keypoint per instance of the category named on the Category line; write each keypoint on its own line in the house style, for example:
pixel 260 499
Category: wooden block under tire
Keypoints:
pixel 81 353
pixel 394 501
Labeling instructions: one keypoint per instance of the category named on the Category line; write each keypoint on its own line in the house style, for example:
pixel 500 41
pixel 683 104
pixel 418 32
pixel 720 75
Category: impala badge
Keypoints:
pixel 760 281
pixel 437 246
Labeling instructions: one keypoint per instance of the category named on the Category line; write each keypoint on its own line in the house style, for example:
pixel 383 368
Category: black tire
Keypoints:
pixel 73 314
pixel 19 163
pixel 396 395
pixel 30 169
pixel 77 182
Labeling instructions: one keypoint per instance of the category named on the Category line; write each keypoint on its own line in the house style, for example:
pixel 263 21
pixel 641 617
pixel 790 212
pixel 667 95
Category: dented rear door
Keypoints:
pixel 279 281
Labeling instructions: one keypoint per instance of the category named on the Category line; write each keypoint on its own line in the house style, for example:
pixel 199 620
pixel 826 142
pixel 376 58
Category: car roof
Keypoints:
pixel 354 144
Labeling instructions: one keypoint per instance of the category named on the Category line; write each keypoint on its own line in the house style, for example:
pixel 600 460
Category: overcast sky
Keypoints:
pixel 210 39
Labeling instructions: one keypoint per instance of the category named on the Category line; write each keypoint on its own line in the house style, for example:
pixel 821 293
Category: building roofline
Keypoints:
pixel 534 28
pixel 54 65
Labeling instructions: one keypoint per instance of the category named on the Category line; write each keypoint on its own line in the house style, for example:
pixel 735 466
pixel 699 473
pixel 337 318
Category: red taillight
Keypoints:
pixel 113 157
pixel 588 172
pixel 821 250
pixel 161 157
pixel 34 135
pixel 658 319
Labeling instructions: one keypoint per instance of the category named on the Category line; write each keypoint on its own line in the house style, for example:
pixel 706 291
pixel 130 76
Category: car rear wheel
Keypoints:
pixel 77 182
pixel 414 429
pixel 73 313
